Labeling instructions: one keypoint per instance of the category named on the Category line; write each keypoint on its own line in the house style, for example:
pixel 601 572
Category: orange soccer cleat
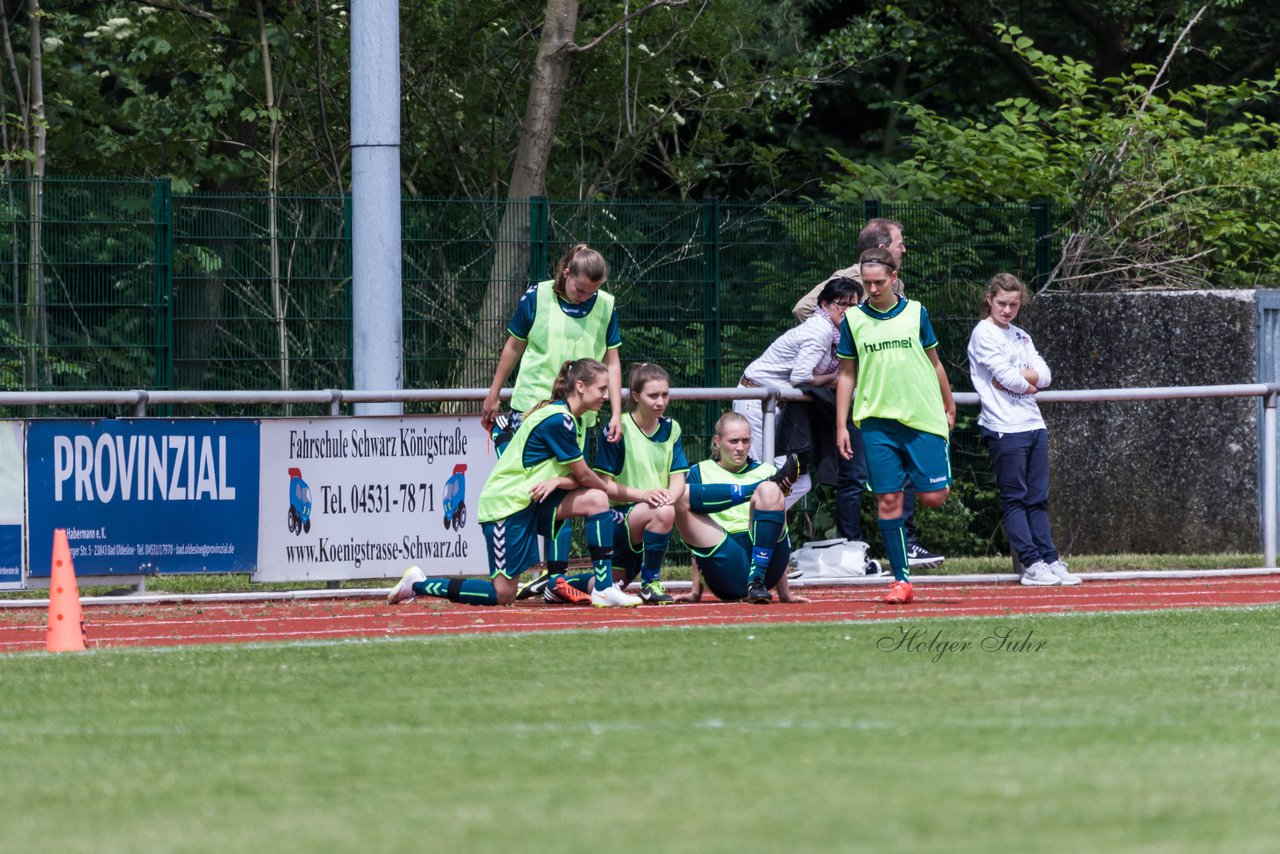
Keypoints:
pixel 900 593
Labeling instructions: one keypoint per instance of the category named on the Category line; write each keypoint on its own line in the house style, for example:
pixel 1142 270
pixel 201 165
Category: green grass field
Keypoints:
pixel 1152 732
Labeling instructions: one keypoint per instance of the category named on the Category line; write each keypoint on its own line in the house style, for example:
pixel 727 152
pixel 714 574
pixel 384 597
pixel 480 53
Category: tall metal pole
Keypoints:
pixel 377 317
pixel 1269 481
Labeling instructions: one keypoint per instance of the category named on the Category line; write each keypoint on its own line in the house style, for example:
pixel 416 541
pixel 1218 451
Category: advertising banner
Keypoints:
pixel 368 497
pixel 144 495
pixel 11 473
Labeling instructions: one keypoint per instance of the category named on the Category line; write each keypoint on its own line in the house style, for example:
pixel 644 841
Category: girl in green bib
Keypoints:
pixel 540 483
pixel 564 318
pixel 644 474
pixel 904 408
pixel 732 516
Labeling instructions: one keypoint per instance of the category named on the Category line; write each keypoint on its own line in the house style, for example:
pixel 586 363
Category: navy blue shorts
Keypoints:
pixel 896 452
pixel 512 543
pixel 726 568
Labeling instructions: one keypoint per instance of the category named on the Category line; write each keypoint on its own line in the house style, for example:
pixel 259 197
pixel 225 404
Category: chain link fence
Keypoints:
pixel 122 284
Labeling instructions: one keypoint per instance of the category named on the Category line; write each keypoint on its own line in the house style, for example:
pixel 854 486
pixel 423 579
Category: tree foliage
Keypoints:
pixel 1167 186
pixel 945 55
pixel 668 104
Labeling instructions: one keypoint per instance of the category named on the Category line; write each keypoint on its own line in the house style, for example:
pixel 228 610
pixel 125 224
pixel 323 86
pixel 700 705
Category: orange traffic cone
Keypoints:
pixel 66 620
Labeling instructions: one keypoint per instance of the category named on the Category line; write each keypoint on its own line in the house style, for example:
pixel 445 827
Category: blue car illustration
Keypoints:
pixel 455 498
pixel 299 503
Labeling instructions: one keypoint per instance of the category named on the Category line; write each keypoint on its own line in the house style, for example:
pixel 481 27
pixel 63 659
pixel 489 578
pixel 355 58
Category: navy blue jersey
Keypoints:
pixel 655 457
pixel 522 320
pixel 554 437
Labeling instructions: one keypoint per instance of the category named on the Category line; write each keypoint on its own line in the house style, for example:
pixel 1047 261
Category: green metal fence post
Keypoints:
pixel 348 275
pixel 163 261
pixel 873 208
pixel 711 305
pixel 1042 223
pixel 539 228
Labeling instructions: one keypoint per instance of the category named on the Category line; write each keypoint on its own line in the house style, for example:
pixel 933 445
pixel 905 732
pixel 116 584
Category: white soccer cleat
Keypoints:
pixel 403 591
pixel 613 597
pixel 1039 575
pixel 1059 570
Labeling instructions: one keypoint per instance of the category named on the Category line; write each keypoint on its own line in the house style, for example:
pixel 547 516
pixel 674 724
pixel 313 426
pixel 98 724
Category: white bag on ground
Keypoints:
pixel 835 559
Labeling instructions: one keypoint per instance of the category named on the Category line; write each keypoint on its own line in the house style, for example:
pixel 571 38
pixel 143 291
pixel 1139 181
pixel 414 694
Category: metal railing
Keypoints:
pixel 138 400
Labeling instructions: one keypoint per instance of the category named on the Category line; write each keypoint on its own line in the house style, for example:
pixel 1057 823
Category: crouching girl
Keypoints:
pixel 536 486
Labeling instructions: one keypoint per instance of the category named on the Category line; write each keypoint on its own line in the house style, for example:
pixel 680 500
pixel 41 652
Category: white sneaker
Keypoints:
pixel 1039 575
pixel 613 597
pixel 403 591
pixel 1059 570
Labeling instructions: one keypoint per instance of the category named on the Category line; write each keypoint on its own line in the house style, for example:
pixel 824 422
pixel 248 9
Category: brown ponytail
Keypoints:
pixel 581 260
pixel 571 373
pixel 879 255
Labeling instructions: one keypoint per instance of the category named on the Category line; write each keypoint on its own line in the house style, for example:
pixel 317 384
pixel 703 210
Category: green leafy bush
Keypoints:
pixel 1165 187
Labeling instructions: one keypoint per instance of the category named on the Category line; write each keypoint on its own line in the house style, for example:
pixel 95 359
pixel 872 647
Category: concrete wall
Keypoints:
pixel 1159 476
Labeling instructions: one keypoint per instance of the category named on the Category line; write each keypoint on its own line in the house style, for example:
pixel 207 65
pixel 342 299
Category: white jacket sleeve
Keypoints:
pixel 811 353
pixel 1039 365
pixel 987 350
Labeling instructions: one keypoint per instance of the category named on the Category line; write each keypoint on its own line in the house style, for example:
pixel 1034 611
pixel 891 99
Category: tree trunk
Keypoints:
pixel 509 275
pixel 279 300
pixel 24 131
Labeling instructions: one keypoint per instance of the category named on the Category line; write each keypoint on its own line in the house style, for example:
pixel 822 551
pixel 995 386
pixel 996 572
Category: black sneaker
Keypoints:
pixel 758 594
pixel 534 587
pixel 919 556
pixel 787 473
pixel 651 593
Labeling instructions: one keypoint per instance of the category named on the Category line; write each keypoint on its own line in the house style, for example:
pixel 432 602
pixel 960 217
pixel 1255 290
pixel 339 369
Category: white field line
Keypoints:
pixel 818 582
pixel 312 638
pixel 1043 596
pixel 419 622
pixel 971 596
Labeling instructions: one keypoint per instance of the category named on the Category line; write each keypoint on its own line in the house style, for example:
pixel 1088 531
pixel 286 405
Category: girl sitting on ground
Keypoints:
pixel 732 517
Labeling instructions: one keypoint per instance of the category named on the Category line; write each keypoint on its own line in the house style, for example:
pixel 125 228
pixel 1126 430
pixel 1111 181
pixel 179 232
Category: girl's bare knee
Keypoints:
pixel 933 499
pixel 595 501
pixel 768 496
pixel 504 589
pixel 889 505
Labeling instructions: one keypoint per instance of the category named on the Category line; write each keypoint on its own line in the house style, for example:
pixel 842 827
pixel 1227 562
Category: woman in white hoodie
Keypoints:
pixel 1007 372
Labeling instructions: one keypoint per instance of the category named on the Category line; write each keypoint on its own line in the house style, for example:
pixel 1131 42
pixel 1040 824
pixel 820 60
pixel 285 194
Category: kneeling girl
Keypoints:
pixel 536 486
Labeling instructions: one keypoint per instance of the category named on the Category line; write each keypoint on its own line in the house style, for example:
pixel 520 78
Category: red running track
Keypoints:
pixel 175 624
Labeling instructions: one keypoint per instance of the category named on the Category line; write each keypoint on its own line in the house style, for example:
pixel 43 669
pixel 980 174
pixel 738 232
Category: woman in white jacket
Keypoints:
pixel 1007 372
